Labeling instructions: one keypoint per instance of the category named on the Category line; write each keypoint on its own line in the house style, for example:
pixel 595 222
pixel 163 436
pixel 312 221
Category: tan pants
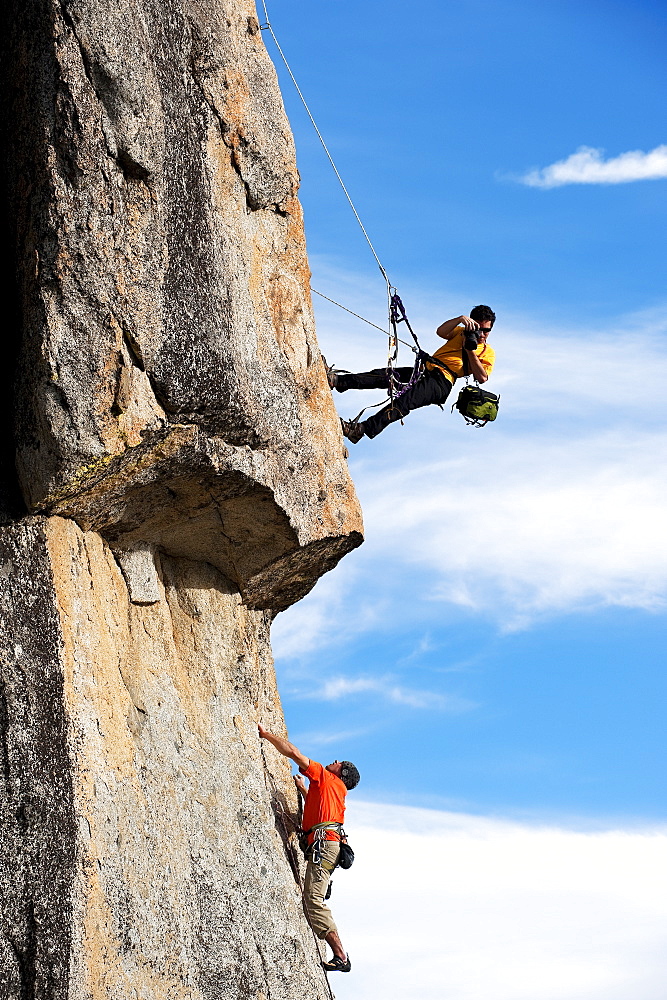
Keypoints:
pixel 315 887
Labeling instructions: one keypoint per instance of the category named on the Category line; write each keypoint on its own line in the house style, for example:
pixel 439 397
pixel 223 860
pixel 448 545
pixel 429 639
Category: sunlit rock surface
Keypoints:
pixel 172 476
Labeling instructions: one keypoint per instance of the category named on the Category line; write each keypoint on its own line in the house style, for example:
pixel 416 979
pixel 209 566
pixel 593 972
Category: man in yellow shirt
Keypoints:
pixel 434 386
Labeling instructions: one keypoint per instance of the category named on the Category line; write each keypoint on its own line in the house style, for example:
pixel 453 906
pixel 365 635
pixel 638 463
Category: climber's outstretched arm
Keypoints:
pixel 286 748
pixel 447 329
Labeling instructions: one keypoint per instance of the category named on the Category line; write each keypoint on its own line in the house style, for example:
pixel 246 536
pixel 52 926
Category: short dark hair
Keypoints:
pixel 349 774
pixel 483 313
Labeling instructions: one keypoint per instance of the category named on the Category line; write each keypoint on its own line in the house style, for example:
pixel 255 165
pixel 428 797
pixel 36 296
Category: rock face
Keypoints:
pixel 175 477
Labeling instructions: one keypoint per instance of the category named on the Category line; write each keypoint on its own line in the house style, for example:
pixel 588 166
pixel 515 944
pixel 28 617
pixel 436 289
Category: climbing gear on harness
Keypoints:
pixel 336 964
pixel 352 429
pixel 319 832
pixel 395 388
pixel 397 314
pixel 477 406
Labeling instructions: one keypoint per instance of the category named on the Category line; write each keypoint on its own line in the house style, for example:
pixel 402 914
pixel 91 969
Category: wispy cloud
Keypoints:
pixel 568 525
pixel 473 908
pixel 588 166
pixel 322 737
pixel 551 510
pixel 340 687
pixel 386 687
pixel 323 617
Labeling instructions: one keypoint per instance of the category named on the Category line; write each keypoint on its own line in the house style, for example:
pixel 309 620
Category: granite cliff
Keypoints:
pixel 172 476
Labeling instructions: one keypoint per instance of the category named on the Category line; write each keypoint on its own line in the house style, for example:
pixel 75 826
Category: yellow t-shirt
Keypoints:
pixel 450 355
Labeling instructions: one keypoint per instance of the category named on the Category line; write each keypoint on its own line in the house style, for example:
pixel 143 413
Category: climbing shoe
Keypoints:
pixel 336 964
pixel 352 430
pixel 332 374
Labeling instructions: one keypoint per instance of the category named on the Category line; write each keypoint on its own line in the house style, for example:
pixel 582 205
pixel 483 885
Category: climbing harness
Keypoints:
pixel 397 314
pixel 319 831
pixel 396 388
pixel 345 853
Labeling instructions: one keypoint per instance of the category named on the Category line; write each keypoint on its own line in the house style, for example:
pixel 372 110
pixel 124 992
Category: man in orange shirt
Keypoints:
pixel 434 386
pixel 323 816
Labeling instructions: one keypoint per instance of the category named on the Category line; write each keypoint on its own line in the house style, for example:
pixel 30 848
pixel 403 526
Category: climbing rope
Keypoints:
pixel 395 306
pixel 267 26
pixel 397 314
pixel 362 318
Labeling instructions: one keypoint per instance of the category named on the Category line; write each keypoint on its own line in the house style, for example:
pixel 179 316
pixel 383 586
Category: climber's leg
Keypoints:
pixel 314 890
pixel 336 945
pixel 375 379
pixel 432 387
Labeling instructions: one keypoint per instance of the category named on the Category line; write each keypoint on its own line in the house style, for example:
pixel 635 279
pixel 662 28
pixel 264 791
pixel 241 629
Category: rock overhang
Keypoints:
pixel 197 497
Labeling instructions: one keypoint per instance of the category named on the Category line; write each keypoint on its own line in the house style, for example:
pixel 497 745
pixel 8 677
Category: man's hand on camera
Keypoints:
pixel 471 340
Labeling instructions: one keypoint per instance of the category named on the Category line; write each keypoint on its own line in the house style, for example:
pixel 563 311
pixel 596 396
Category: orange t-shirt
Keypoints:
pixel 325 801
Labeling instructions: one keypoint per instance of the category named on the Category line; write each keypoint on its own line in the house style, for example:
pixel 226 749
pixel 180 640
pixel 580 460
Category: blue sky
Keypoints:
pixel 427 118
pixel 496 647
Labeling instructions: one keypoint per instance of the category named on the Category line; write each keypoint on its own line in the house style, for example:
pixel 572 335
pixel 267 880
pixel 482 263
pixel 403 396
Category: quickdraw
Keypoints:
pixel 395 387
pixel 319 832
pixel 397 314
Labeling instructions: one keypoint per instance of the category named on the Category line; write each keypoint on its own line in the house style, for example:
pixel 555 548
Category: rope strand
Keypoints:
pixel 362 318
pixel 267 26
pixel 395 306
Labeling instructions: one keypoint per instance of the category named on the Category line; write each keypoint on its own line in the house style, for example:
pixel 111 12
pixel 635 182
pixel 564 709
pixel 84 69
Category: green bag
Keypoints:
pixel 476 405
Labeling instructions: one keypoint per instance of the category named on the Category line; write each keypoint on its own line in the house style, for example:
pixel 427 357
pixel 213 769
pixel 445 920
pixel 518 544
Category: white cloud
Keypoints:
pixel 587 166
pixel 299 631
pixel 325 738
pixel 530 526
pixel 323 618
pixel 556 508
pixel 444 905
pixel 341 687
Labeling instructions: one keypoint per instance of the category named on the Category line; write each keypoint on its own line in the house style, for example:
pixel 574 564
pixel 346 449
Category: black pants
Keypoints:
pixel 432 387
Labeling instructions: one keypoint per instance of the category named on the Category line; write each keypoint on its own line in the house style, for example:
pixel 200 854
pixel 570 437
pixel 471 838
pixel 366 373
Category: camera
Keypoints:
pixel 471 340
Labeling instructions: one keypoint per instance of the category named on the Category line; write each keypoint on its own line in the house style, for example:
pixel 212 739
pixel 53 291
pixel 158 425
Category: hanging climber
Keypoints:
pixel 323 815
pixel 465 352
